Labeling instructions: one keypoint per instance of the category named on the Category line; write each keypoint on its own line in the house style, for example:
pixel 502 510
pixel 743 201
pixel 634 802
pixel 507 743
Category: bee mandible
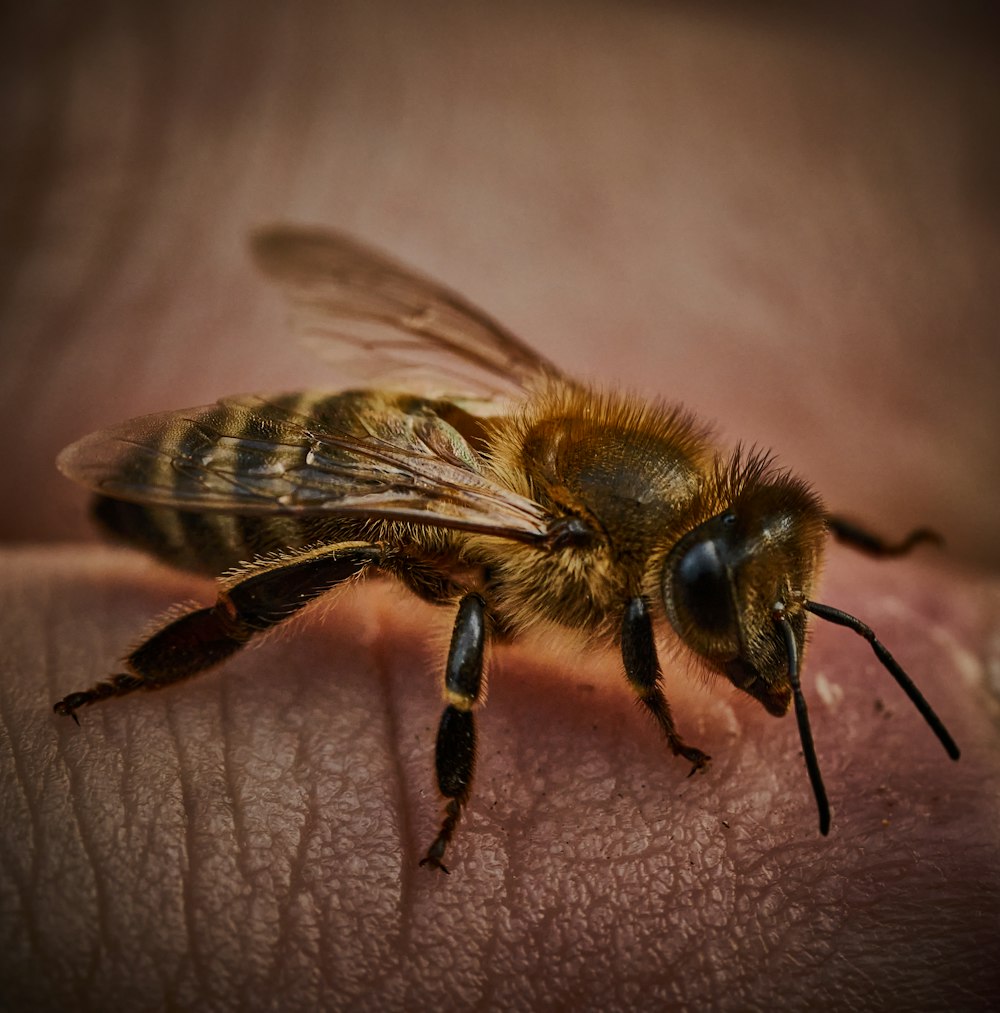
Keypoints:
pixel 490 483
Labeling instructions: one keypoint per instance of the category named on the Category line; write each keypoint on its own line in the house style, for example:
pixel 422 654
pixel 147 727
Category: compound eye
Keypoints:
pixel 701 590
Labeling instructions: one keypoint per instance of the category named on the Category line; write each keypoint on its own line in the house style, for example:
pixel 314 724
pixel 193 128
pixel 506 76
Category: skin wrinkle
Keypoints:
pixel 77 809
pixel 294 890
pixel 9 857
pixel 400 796
pixel 232 791
pixel 192 855
pixel 274 836
pixel 340 818
pixel 142 815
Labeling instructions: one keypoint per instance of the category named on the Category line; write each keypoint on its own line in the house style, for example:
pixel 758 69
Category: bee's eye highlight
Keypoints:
pixel 701 589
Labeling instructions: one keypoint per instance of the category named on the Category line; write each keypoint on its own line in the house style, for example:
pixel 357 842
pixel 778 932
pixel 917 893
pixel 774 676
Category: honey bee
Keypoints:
pixel 492 484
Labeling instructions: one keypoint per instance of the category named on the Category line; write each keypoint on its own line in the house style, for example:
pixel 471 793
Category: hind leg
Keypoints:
pixel 269 593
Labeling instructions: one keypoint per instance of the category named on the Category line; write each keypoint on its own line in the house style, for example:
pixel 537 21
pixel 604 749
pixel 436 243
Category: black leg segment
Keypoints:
pixel 862 540
pixel 643 671
pixel 455 753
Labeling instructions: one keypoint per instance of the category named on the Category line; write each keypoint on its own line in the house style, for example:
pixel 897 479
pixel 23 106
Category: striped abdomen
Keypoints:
pixel 208 542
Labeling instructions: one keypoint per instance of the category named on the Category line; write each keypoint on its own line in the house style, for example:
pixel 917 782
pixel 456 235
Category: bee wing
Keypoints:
pixel 362 308
pixel 339 454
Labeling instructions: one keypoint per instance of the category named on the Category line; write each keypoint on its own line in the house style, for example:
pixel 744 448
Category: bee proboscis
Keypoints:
pixel 493 484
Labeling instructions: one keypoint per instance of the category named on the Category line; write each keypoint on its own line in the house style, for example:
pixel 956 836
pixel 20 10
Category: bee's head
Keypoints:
pixel 758 550
pixel 737 588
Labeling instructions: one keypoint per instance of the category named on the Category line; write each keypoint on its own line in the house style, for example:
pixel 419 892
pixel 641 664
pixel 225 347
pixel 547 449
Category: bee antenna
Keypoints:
pixel 805 732
pixel 832 615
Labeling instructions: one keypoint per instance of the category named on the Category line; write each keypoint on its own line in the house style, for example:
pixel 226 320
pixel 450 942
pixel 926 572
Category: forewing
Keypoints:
pixel 305 454
pixel 382 321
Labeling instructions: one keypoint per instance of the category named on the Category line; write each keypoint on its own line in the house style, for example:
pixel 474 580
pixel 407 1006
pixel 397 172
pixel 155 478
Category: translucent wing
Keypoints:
pixel 362 453
pixel 380 319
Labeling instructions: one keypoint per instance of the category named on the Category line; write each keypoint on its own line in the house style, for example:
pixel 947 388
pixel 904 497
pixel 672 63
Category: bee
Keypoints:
pixel 490 483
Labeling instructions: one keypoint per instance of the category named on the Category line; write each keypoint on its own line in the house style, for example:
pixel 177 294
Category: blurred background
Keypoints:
pixel 786 217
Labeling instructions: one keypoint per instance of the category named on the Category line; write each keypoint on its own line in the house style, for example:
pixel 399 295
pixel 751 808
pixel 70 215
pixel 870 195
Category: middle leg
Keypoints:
pixel 455 753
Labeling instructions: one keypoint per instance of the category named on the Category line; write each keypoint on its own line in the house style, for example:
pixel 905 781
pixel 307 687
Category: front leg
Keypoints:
pixel 643 671
pixel 863 540
pixel 455 754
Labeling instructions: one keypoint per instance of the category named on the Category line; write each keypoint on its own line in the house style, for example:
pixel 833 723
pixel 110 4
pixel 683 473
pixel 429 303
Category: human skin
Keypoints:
pixel 705 210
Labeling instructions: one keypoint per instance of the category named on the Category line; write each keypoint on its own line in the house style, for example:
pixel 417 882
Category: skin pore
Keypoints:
pixel 785 223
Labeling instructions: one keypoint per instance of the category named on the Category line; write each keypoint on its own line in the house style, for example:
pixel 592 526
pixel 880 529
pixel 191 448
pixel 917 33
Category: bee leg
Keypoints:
pixel 455 752
pixel 862 540
pixel 643 671
pixel 198 640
